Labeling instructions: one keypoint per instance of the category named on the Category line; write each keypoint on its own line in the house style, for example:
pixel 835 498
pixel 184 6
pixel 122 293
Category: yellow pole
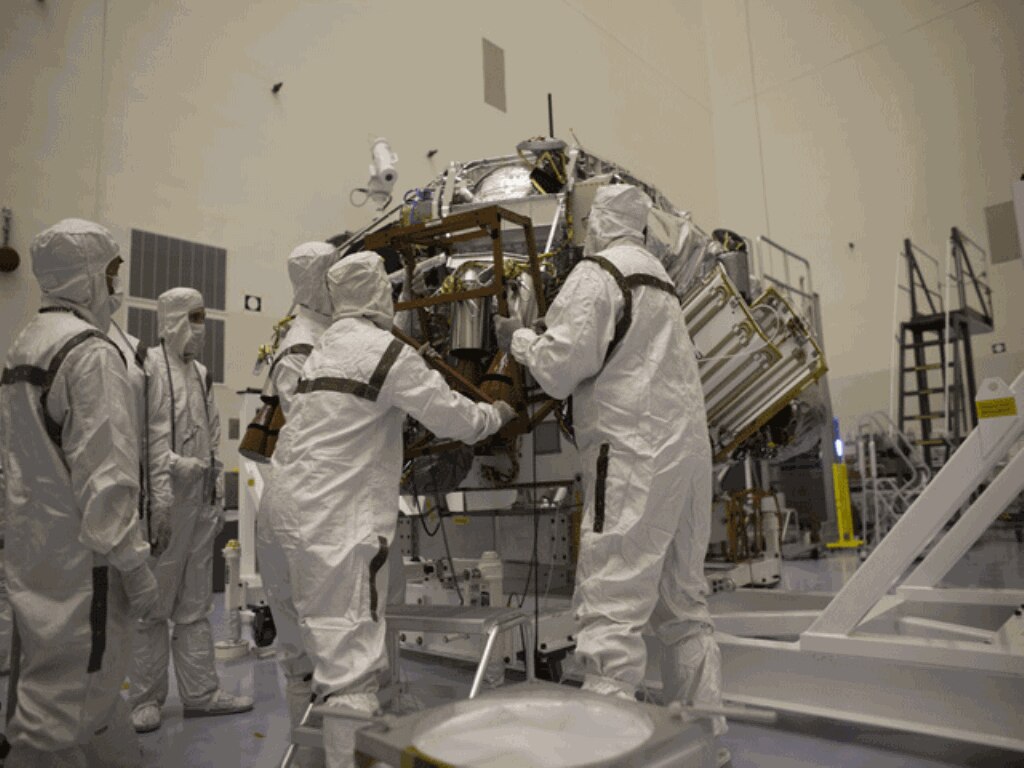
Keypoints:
pixel 844 513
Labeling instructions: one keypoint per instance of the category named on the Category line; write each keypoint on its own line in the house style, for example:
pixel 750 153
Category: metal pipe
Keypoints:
pixel 785 250
pixel 946 346
pixel 478 678
pixel 894 360
pixel 862 470
pixel 873 459
pixel 788 287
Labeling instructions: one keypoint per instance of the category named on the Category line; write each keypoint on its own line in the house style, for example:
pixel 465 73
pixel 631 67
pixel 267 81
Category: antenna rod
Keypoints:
pixel 551 118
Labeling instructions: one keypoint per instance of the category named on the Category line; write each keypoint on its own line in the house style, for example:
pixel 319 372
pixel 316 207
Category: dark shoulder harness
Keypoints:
pixel 367 390
pixel 44 377
pixel 627 285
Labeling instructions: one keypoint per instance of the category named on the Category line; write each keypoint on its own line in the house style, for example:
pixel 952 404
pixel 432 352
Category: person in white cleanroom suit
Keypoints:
pixel 307 269
pixel 617 342
pixel 336 469
pixel 154 474
pixel 184 570
pixel 5 604
pixel 75 555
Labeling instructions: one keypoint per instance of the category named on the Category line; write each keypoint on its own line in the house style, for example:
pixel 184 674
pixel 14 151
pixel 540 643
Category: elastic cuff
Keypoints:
pixel 129 553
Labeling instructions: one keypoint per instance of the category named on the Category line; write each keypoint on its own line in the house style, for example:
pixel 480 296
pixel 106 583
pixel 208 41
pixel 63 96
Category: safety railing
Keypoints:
pixel 790 273
pixel 883 498
pixel 972 285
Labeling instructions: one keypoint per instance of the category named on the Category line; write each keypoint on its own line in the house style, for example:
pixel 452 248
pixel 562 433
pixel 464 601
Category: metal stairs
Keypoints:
pixel 935 362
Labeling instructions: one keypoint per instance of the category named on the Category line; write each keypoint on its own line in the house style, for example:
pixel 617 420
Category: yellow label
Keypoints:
pixel 251 482
pixel 997 408
pixel 460 520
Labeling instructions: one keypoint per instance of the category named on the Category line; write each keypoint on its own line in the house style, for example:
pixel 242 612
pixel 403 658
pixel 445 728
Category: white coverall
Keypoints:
pixel 307 269
pixel 154 476
pixel 337 467
pixel 5 603
pixel 641 430
pixel 73 543
pixel 186 437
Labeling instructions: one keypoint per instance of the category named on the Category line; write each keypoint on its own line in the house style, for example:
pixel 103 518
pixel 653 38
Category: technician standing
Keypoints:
pixel 336 477
pixel 186 435
pixel 307 269
pixel 617 342
pixel 75 557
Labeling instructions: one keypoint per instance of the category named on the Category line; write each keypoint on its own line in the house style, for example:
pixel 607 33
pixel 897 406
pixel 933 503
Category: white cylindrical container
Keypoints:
pixel 232 590
pixel 234 646
pixel 491 574
pixel 492 594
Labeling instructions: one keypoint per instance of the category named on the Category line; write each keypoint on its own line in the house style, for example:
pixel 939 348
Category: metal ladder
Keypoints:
pixel 935 363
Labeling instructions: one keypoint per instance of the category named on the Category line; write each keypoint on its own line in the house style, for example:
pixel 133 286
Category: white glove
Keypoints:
pixel 505 411
pixel 504 327
pixel 140 588
pixel 160 520
pixel 428 352
pixel 421 270
pixel 189 468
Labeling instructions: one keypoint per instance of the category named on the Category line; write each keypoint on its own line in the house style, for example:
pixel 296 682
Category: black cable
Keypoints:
pixel 526 587
pixel 448 552
pixel 423 523
pixel 536 553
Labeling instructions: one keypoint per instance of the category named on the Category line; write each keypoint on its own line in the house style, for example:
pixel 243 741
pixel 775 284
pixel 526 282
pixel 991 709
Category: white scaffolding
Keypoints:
pixel 921 658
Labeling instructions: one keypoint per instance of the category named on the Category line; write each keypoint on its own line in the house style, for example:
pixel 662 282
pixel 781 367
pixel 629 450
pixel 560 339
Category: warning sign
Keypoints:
pixel 997 408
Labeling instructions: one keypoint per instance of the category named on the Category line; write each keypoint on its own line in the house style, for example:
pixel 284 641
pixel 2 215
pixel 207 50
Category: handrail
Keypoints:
pixel 884 491
pixel 793 255
pixel 914 269
pixel 958 239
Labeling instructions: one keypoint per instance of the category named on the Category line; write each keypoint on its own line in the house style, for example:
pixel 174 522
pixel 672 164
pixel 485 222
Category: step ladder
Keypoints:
pixel 448 619
pixel 932 376
pixel 934 361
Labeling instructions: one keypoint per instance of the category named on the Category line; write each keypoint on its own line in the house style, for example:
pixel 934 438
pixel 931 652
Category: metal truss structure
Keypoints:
pixel 921 658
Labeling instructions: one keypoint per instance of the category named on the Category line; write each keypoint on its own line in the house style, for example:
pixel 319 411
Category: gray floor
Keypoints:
pixel 258 739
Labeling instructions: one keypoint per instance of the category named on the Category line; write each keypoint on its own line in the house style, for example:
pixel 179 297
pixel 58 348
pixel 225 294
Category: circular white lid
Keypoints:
pixel 534 732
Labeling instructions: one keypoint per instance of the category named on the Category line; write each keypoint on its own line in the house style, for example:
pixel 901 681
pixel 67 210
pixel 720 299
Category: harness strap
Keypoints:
pixel 44 377
pixel 295 349
pixel 626 286
pixel 367 390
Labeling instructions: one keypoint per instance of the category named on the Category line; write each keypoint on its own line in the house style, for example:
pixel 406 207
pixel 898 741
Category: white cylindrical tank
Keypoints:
pixel 491 574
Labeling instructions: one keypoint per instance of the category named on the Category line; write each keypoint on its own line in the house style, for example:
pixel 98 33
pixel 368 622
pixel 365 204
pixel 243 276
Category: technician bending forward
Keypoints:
pixel 336 470
pixel 186 435
pixel 617 342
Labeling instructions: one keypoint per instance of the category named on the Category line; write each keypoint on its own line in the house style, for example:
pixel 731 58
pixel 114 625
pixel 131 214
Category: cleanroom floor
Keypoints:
pixel 258 739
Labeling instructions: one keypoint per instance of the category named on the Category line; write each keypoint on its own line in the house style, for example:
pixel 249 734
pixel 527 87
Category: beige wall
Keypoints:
pixel 159 116
pixel 867 122
pixel 50 116
pixel 818 122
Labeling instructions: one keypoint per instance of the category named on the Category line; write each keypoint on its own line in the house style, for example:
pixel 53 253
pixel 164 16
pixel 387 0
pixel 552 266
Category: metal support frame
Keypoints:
pixel 943 662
